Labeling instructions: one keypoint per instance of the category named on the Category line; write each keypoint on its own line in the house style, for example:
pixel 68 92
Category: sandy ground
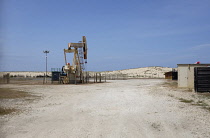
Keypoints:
pixel 119 109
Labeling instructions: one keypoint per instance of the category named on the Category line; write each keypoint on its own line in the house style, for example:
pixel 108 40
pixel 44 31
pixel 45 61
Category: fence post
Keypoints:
pixel 44 78
pixel 88 77
pixel 7 77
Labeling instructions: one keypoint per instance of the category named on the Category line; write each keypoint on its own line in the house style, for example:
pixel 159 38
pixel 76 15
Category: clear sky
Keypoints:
pixel 121 34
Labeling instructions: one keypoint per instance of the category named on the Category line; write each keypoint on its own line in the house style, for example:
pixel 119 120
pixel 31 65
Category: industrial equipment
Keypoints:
pixel 74 72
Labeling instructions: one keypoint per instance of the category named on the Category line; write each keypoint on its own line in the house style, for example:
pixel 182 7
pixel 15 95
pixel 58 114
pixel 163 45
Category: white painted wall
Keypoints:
pixel 182 76
pixel 191 77
pixel 186 74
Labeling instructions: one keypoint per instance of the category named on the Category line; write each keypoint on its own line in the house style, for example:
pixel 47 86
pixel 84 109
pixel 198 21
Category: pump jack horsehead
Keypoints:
pixel 73 73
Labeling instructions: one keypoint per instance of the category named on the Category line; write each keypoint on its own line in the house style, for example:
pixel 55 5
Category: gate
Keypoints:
pixel 202 79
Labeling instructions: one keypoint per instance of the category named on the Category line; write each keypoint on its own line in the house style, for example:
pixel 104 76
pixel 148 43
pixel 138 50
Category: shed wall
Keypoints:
pixel 182 76
pixel 190 75
pixel 186 74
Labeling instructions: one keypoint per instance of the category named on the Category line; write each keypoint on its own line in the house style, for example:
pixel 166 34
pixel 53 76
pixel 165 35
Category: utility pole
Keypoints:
pixel 46 52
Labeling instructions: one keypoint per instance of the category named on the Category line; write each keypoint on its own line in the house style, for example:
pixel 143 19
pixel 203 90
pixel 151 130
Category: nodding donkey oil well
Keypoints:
pixel 74 72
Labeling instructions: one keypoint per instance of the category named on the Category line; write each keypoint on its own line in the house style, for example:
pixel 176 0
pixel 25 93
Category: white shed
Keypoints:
pixel 186 74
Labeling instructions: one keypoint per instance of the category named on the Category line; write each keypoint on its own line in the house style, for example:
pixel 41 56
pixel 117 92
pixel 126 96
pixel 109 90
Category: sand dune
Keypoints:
pixel 145 72
pixel 25 73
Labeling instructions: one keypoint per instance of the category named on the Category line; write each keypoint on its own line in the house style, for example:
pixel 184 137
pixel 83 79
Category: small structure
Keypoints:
pixel 56 73
pixel 168 75
pixel 173 75
pixel 186 74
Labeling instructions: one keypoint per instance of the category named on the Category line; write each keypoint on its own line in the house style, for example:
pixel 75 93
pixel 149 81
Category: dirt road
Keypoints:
pixel 117 109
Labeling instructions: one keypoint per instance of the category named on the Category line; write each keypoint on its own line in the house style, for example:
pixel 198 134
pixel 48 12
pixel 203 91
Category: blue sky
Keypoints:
pixel 121 34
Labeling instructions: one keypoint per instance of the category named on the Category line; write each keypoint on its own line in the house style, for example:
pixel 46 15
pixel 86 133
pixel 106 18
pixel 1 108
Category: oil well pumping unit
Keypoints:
pixel 74 72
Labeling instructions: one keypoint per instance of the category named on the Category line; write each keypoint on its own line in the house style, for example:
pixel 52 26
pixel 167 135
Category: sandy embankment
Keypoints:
pixel 146 72
pixel 25 73
pixel 129 108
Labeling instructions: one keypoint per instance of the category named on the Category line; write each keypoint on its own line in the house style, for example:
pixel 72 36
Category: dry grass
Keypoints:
pixel 202 104
pixel 6 94
pixel 171 84
pixel 185 100
pixel 198 103
pixel 203 97
pixel 5 111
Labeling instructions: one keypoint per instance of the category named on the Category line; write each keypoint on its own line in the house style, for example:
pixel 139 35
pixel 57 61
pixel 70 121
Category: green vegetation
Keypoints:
pixel 185 100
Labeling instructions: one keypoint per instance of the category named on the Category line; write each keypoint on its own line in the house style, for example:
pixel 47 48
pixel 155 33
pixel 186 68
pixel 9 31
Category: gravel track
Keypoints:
pixel 141 108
